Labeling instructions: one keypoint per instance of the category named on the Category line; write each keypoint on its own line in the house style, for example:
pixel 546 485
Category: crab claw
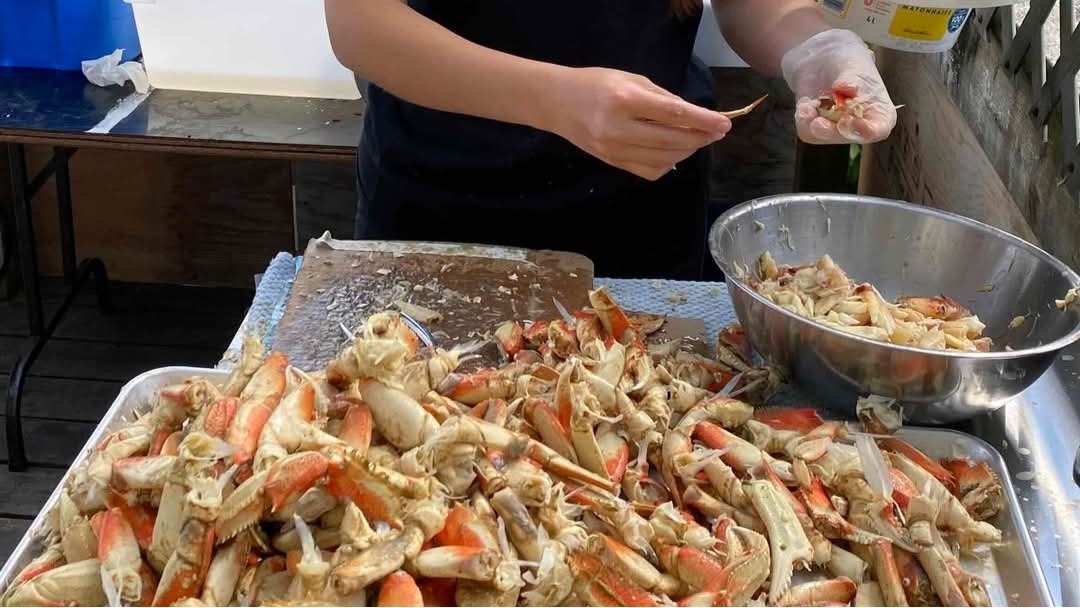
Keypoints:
pixel 892 444
pixel 400 589
pixel 788 543
pixel 827 519
pixel 598 585
pixel 511 338
pixel 802 420
pixel 615 322
pixel 977 487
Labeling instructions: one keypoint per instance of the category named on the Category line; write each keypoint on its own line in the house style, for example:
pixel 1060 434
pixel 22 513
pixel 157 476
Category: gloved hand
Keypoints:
pixel 837 63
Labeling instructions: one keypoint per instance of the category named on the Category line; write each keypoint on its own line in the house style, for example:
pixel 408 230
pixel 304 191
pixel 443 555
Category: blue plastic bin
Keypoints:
pixel 61 34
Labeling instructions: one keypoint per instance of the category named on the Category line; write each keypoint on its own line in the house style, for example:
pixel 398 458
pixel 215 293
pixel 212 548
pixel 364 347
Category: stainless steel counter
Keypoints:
pixel 1038 435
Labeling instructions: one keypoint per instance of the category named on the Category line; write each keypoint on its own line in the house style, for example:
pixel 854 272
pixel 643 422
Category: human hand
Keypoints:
pixel 629 122
pixel 837 65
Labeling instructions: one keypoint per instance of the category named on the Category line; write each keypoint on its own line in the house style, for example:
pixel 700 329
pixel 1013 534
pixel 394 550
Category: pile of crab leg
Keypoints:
pixel 589 468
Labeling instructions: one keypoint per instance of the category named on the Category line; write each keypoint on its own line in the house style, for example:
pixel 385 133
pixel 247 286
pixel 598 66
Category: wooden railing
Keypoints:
pixel 1047 43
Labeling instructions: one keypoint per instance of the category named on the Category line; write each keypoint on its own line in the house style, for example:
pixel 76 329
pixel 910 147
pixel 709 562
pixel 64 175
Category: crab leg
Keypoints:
pixel 51 558
pixel 356 428
pixel 621 558
pixel 615 322
pixel 905 449
pixel 120 557
pixel 635 530
pixel 712 508
pixel 598 585
pixel 739 453
pixel 833 592
pixel 869 594
pixel 953 515
pixel 827 519
pixel 224 572
pixel 185 571
pixel 258 400
pixel 675 527
pixel 546 422
pixel 919 588
pixel 695 568
pixel 977 487
pixel 520 526
pixel 284 429
pixel 425 519
pixel 464 429
pixel 879 554
pixel 582 432
pixel 788 543
pixel 802 420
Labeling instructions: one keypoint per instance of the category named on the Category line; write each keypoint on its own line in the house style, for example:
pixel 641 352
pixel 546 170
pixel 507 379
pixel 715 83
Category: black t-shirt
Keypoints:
pixel 425 173
pixel 476 156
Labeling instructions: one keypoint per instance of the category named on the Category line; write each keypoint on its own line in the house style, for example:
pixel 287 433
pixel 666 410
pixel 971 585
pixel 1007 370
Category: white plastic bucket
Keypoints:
pixel 262 47
pixel 904 27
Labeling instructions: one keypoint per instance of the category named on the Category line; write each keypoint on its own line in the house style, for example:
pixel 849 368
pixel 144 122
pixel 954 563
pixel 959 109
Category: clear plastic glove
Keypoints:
pixel 837 64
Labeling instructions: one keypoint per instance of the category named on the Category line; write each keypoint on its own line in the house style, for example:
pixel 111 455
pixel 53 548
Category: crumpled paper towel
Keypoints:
pixel 108 70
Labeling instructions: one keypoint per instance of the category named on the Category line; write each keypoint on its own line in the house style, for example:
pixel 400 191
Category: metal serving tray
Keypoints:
pixel 1012 571
pixel 134 396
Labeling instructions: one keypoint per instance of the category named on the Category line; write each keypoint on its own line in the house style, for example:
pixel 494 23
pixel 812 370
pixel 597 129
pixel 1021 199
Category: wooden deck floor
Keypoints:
pixel 81 370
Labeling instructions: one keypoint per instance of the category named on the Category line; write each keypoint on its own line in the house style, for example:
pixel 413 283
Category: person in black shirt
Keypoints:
pixel 575 125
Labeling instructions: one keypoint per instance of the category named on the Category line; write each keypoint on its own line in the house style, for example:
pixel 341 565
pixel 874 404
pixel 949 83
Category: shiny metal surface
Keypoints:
pixel 902 249
pixel 1037 434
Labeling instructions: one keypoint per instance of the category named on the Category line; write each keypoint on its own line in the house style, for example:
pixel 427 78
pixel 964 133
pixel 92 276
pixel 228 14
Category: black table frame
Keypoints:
pixel 75 276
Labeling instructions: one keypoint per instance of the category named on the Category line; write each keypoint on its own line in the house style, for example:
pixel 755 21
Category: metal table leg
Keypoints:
pixel 67 221
pixel 23 192
pixel 7 255
pixel 24 237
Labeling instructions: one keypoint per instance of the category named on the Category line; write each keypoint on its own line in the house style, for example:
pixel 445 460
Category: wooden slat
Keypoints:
pixel 52 443
pixel 1025 34
pixel 10 350
pixel 32 488
pixel 197 328
pixel 1064 71
pixel 101 360
pixel 143 314
pixel 67 399
pixel 11 532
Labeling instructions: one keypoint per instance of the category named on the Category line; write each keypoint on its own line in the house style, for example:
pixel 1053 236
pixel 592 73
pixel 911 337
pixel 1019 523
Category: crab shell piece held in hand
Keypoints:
pixel 835 106
pixel 745 110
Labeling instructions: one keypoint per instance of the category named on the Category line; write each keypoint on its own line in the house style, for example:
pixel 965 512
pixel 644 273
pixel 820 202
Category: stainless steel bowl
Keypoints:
pixel 902 249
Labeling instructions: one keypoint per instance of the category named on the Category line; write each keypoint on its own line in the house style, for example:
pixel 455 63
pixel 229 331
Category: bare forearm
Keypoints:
pixel 761 31
pixel 390 44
